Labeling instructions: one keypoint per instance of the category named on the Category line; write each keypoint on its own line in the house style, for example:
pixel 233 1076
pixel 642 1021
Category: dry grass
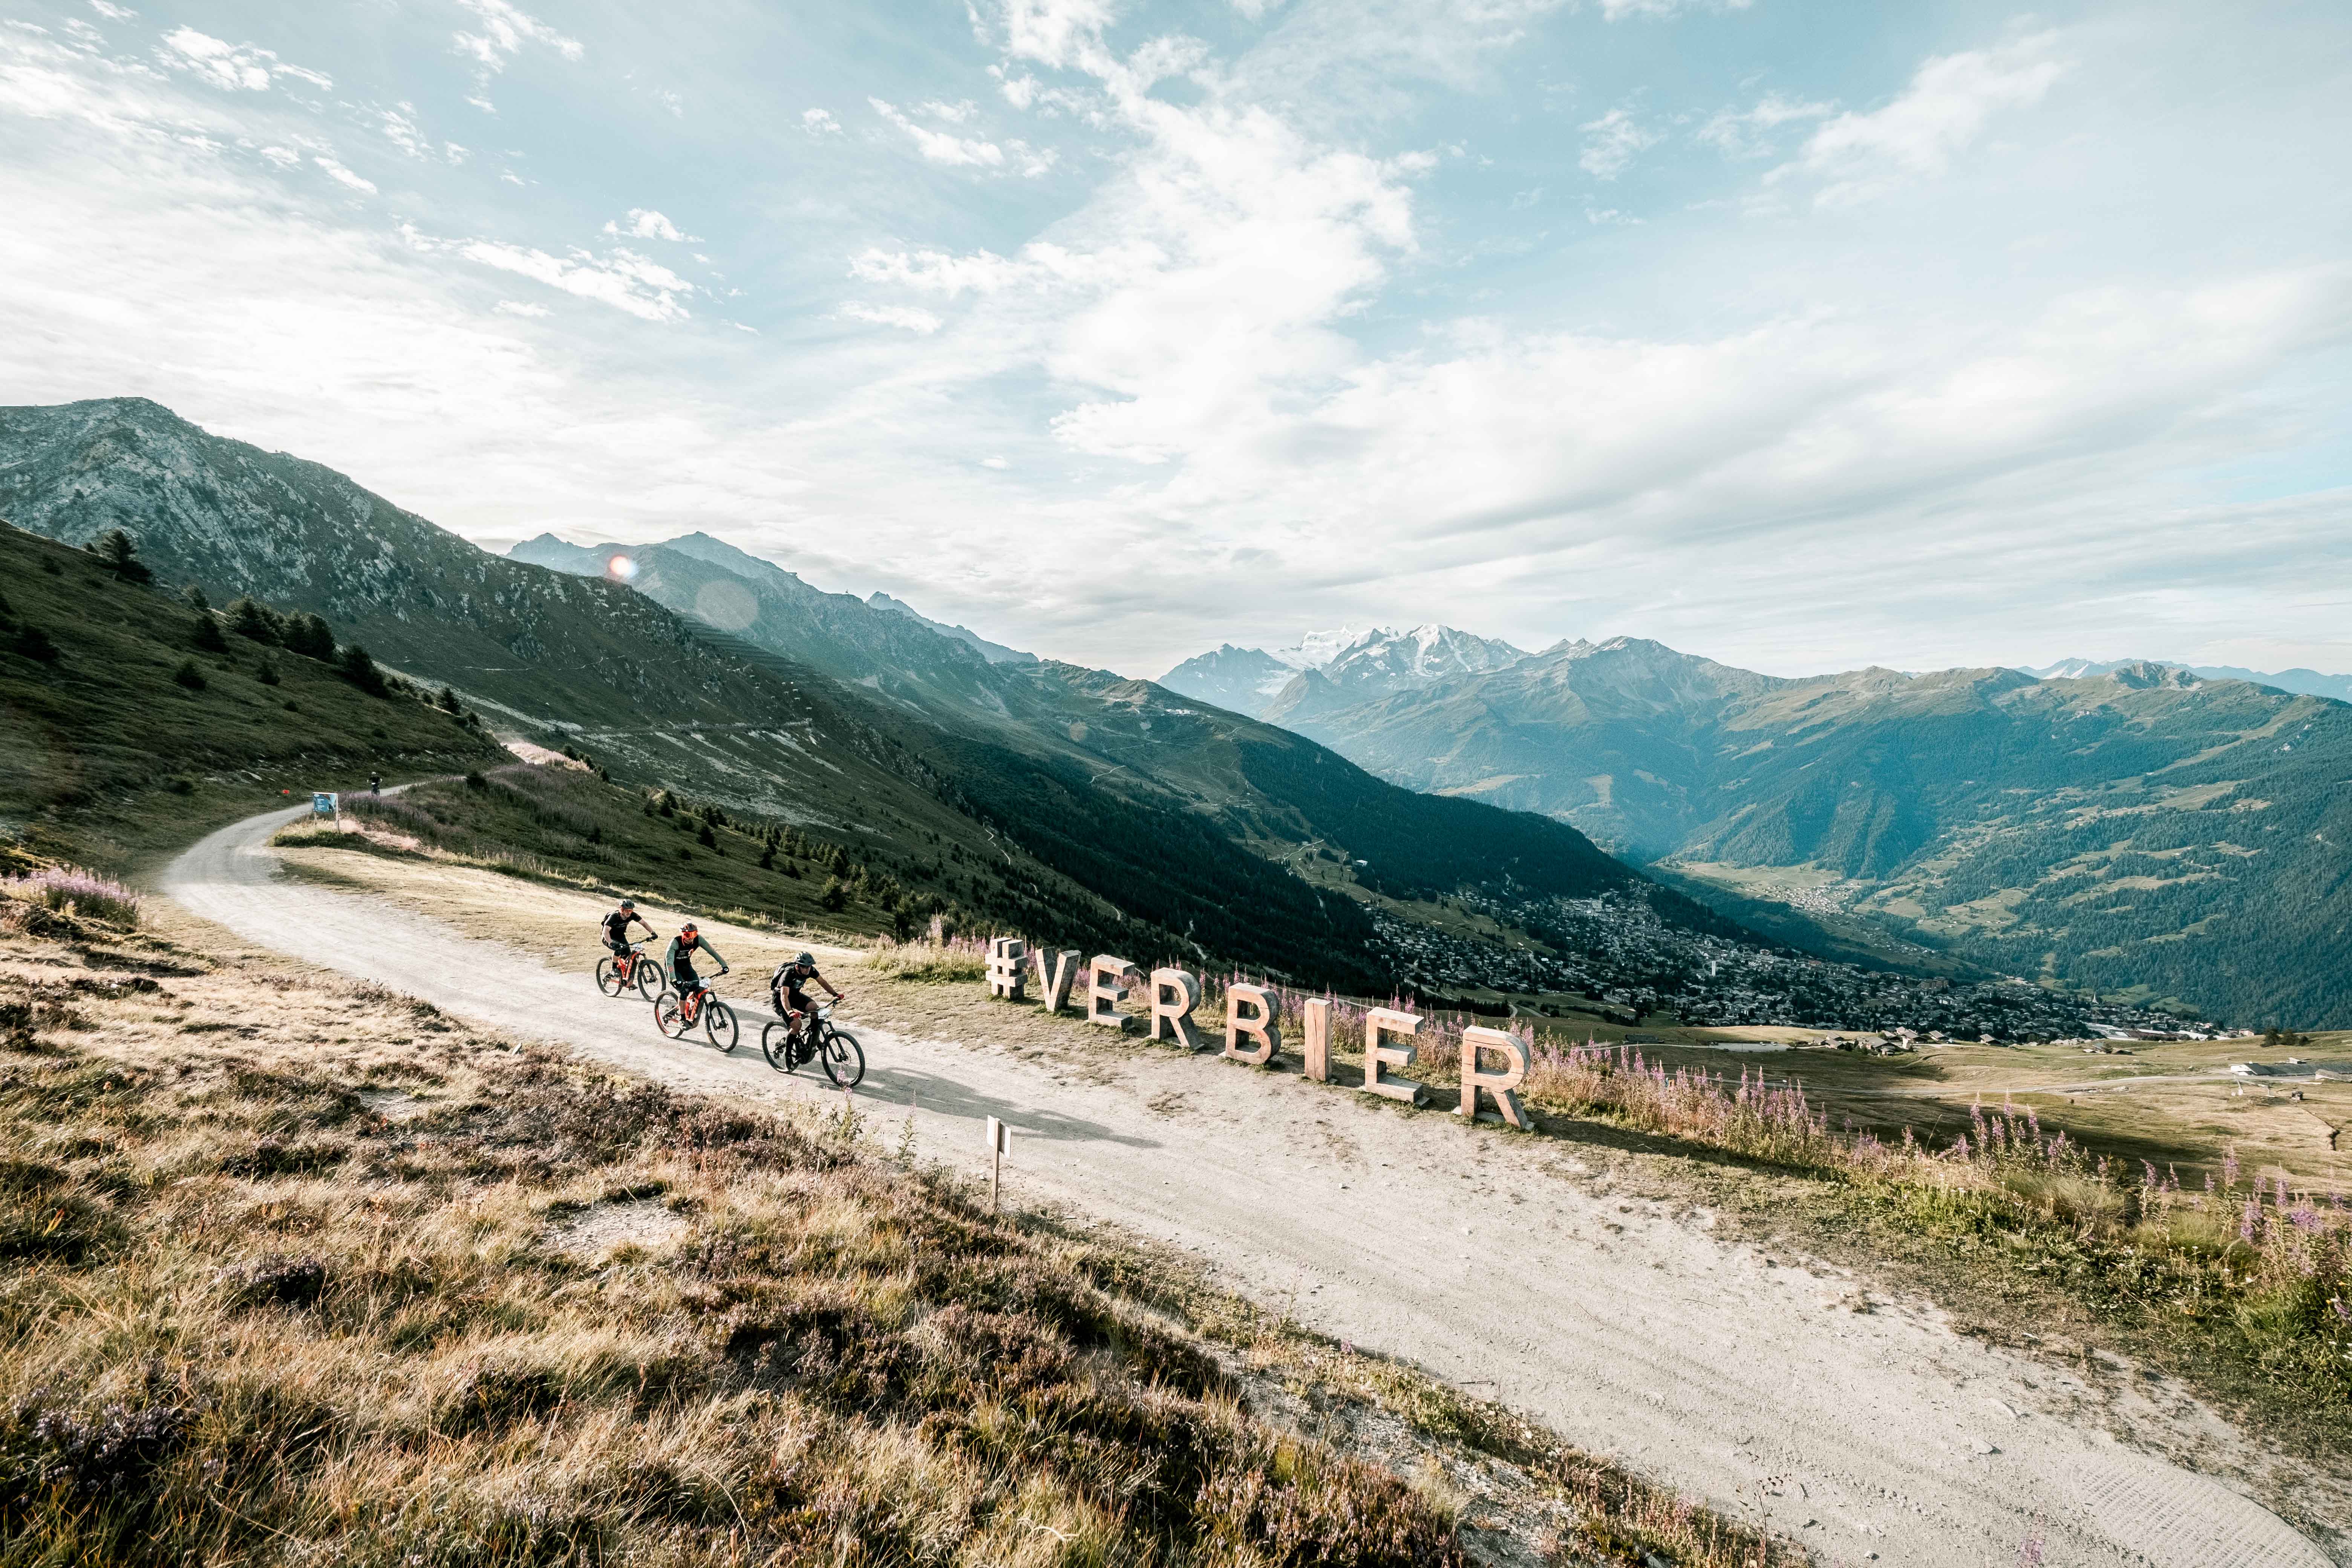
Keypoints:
pixel 285 1283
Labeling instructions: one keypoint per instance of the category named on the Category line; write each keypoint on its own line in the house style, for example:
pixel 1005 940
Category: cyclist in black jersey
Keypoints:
pixel 617 924
pixel 792 1002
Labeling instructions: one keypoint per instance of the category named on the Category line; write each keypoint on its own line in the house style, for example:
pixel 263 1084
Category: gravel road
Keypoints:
pixel 1861 1424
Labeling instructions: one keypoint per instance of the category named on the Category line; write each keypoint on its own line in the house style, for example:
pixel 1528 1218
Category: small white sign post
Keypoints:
pixel 1000 1144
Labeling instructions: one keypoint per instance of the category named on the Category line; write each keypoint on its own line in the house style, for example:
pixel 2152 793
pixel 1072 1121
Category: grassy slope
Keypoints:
pixel 314 1281
pixel 93 744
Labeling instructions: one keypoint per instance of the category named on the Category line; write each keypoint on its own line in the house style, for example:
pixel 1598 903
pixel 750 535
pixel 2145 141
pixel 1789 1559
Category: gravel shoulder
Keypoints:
pixel 1778 1388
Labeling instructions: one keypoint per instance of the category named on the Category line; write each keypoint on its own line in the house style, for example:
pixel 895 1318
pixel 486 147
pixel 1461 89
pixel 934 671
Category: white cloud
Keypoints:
pixel 953 113
pixel 938 146
pixel 344 176
pixel 284 157
pixel 112 12
pixel 515 308
pixel 1525 199
pixel 644 222
pixel 505 28
pixel 819 121
pixel 1746 133
pixel 233 68
pixel 1611 142
pixel 912 318
pixel 1945 107
pixel 1618 10
pixel 622 280
pixel 994 463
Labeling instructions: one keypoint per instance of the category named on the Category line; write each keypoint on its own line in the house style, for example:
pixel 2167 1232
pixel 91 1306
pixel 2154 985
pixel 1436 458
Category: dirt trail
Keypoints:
pixel 1497 1262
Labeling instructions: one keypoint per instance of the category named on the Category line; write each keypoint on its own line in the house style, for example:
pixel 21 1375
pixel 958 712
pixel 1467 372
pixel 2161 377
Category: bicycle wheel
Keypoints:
pixel 608 978
pixel 670 1015
pixel 648 975
pixel 844 1058
pixel 719 1022
pixel 776 1044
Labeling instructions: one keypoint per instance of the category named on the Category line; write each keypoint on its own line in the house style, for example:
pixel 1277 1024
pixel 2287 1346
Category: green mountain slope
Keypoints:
pixel 124 727
pixel 2143 831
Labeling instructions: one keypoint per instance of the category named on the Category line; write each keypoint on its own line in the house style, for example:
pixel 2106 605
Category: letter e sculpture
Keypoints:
pixel 1106 984
pixel 1380 1024
pixel 1499 1085
pixel 1249 1014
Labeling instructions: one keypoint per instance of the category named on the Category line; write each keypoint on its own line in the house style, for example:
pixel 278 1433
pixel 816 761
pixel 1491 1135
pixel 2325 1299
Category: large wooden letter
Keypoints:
pixel 1497 1084
pixel 1004 976
pixel 1379 1025
pixel 1106 984
pixel 1314 1025
pixel 1250 1011
pixel 1054 977
pixel 1174 994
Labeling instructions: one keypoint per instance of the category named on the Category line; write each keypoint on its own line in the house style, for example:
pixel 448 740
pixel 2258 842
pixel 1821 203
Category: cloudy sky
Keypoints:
pixel 1801 334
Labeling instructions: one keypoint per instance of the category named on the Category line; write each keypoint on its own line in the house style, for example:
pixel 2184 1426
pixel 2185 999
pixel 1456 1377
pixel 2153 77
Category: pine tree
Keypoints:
pixel 205 636
pixel 834 897
pixel 119 553
pixel 189 676
pixel 707 838
pixel 249 619
pixel 353 665
pixel 194 598
pixel 267 673
pixel 447 700
pixel 311 637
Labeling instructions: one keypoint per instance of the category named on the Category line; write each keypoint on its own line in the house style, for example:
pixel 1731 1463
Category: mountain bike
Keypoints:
pixel 843 1059
pixel 630 971
pixel 675 1015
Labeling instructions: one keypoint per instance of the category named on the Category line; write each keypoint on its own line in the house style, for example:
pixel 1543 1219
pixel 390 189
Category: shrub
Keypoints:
pixel 267 672
pixel 32 643
pixel 189 676
pixel 193 597
pixel 836 895
pixel 205 636
pixel 68 889
pixel 707 838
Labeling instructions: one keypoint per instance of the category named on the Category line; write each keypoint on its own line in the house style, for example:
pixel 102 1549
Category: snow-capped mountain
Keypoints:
pixel 1347 665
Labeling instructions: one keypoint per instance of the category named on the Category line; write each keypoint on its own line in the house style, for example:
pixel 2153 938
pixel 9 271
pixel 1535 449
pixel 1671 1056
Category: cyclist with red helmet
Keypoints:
pixel 680 957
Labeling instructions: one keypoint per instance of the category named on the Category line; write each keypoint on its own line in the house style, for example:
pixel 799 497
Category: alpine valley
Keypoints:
pixel 1940 825
pixel 2136 828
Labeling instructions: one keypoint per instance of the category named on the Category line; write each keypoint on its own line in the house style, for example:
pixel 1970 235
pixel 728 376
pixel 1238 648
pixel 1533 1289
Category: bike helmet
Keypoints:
pixel 688 928
pixel 628 903
pixel 807 959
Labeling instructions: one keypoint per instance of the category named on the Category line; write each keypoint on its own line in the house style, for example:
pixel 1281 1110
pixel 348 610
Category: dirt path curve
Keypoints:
pixel 1494 1261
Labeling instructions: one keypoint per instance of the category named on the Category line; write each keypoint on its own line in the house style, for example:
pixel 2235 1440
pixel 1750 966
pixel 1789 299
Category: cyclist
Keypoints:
pixel 617 929
pixel 681 958
pixel 785 990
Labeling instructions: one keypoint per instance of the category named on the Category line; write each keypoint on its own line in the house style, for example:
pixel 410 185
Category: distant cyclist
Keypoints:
pixel 680 959
pixel 785 989
pixel 617 924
